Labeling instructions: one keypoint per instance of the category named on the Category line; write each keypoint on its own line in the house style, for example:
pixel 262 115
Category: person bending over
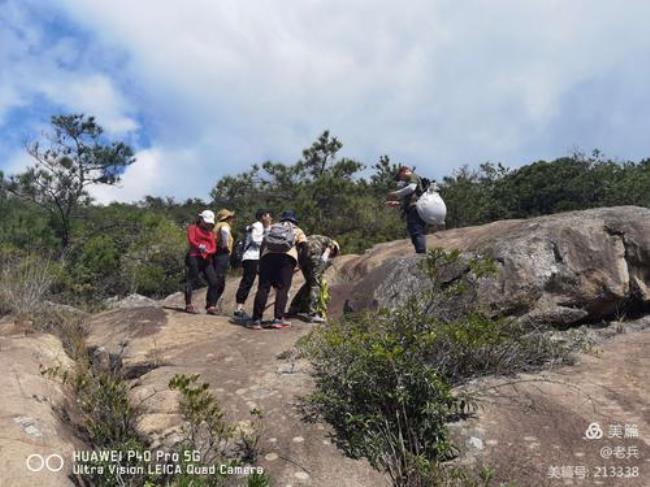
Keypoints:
pixel 314 259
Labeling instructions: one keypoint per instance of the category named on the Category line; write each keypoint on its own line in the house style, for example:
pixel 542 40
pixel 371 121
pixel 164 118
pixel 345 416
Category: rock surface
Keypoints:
pixel 244 372
pixel 29 424
pixel 559 269
pixel 531 427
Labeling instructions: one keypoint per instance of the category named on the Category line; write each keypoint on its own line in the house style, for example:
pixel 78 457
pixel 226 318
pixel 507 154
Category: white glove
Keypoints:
pixel 324 258
pixel 202 248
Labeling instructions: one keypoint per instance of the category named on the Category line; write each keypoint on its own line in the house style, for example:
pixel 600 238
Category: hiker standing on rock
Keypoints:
pixel 314 259
pixel 279 258
pixel 198 260
pixel 405 198
pixel 221 259
pixel 251 257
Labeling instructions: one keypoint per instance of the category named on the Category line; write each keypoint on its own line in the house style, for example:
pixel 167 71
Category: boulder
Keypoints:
pixel 131 301
pixel 559 269
pixel 31 428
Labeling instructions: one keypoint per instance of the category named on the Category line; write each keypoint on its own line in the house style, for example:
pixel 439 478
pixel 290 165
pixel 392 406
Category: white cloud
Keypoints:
pixel 36 68
pixel 437 83
pixel 145 177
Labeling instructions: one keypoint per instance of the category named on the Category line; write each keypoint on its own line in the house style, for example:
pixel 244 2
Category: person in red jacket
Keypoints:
pixel 203 246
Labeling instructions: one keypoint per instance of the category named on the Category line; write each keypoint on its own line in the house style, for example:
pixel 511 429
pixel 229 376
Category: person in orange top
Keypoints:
pixel 221 259
pixel 198 261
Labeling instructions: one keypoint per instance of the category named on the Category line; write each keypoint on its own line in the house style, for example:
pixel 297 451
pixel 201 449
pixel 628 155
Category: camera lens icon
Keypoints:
pixel 37 463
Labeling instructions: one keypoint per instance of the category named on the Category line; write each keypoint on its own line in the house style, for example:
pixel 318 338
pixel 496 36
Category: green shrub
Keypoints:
pixel 210 440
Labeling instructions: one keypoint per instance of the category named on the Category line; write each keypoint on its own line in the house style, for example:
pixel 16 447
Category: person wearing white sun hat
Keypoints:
pixel 198 260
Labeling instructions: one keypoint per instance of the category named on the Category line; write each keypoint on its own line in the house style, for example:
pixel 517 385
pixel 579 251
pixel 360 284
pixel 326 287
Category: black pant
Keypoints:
pixel 250 268
pixel 221 262
pixel 275 270
pixel 417 229
pixel 195 267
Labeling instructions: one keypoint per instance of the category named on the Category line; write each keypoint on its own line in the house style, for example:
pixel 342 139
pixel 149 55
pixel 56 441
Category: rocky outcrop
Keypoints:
pixel 29 422
pixel 559 269
pixel 131 301
pixel 532 429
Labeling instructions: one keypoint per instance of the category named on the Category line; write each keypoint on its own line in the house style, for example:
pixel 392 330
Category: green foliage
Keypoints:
pixel 323 298
pixel 210 439
pixel 73 157
pixel 139 248
pixel 326 191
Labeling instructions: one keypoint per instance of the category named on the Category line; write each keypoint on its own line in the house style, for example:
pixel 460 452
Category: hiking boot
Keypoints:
pixel 278 324
pixel 316 319
pixel 254 324
pixel 213 310
pixel 191 309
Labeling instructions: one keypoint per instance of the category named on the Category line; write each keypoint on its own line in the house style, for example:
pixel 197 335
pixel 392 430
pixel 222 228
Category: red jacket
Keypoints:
pixel 197 236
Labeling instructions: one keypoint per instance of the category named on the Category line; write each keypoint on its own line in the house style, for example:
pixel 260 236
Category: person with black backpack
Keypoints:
pixel 247 251
pixel 406 197
pixel 279 257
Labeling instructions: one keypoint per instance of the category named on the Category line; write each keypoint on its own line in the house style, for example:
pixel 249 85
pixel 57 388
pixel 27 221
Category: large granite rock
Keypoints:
pixel 30 427
pixel 558 269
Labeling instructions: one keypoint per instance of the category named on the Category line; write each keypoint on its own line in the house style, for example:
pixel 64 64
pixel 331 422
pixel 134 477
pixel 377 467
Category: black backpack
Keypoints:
pixel 423 186
pixel 241 246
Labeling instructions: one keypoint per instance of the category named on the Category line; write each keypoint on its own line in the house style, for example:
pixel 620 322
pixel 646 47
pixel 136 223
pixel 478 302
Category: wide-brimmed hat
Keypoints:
pixel 207 216
pixel 289 216
pixel 225 214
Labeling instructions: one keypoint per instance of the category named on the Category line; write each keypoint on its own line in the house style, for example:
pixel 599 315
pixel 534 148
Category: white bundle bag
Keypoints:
pixel 431 207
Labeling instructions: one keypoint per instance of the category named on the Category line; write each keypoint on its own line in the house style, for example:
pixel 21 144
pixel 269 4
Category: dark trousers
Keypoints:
pixel 275 270
pixel 250 268
pixel 221 263
pixel 417 229
pixel 197 266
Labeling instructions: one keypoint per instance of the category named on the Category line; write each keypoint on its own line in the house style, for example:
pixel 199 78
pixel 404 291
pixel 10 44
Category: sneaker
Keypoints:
pixel 316 319
pixel 278 324
pixel 254 324
pixel 213 310
pixel 240 314
pixel 191 309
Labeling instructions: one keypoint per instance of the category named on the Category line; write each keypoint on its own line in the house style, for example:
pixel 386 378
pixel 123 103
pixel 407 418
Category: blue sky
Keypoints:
pixel 203 88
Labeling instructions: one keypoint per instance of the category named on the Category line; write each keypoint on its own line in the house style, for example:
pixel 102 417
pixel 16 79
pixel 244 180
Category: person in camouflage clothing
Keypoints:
pixel 314 259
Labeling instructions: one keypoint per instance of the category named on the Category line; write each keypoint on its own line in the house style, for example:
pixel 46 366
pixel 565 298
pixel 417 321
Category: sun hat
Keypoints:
pixel 207 216
pixel 225 214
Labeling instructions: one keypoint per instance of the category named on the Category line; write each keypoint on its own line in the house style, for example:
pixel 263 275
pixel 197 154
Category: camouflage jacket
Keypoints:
pixel 314 248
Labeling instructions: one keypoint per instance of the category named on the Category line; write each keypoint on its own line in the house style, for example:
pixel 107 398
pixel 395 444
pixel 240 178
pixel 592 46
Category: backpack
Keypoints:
pixel 281 238
pixel 423 186
pixel 241 246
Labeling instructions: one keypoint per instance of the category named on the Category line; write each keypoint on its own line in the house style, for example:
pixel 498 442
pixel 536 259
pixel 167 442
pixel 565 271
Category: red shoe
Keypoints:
pixel 278 324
